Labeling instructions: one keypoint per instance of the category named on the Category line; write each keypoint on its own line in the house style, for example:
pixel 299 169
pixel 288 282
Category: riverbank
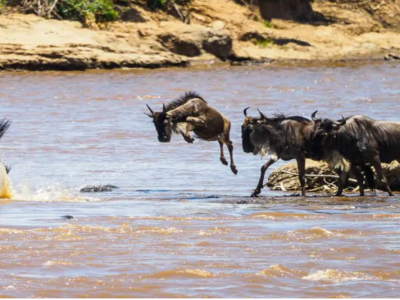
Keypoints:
pixel 223 31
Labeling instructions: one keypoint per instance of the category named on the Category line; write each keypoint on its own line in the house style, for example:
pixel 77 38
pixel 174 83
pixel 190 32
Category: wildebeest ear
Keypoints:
pixel 164 109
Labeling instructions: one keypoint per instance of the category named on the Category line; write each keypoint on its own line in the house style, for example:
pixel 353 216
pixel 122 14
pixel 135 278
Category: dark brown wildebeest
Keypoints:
pixel 289 138
pixel 281 137
pixel 361 140
pixel 190 112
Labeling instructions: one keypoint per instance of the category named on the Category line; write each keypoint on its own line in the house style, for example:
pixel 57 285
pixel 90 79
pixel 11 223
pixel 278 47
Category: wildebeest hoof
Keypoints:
pixel 255 193
pixel 223 160
pixel 234 170
pixel 98 188
pixel 189 140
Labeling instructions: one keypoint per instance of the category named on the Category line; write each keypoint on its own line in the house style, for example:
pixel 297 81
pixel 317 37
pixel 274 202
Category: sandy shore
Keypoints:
pixel 232 34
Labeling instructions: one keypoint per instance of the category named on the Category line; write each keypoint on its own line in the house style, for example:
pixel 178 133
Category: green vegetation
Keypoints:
pixel 2 3
pixel 80 10
pixel 102 10
pixel 263 43
pixel 93 10
pixel 267 24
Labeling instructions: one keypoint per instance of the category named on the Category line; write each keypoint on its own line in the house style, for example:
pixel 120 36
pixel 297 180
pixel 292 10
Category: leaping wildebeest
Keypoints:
pixel 361 140
pixel 190 112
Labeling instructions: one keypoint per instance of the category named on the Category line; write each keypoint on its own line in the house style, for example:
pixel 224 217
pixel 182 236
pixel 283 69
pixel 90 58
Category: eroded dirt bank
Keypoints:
pixel 218 31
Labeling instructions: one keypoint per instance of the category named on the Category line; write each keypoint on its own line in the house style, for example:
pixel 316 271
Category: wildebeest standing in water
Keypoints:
pixel 281 137
pixel 361 140
pixel 190 112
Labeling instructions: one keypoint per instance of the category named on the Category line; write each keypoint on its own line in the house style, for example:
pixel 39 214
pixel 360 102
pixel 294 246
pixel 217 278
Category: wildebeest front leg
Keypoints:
pixel 264 168
pixel 191 123
pixel 301 166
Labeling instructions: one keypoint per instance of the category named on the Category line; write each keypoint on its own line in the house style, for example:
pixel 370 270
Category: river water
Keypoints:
pixel 175 226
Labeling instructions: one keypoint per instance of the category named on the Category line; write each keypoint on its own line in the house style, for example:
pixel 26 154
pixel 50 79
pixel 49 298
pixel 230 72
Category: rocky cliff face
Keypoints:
pixel 220 30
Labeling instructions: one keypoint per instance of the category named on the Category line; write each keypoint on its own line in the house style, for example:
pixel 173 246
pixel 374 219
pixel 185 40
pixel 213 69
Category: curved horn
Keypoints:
pixel 341 122
pixel 313 116
pixel 152 112
pixel 164 109
pixel 262 115
pixel 245 111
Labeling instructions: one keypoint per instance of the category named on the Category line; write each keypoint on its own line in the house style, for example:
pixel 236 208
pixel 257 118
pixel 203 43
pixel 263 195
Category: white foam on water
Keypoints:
pixel 6 190
pixel 53 193
pixel 338 276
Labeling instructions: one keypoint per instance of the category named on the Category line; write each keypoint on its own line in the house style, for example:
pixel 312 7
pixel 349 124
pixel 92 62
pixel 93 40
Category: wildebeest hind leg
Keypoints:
pixel 226 140
pixel 343 176
pixel 264 168
pixel 360 178
pixel 221 149
pixel 379 172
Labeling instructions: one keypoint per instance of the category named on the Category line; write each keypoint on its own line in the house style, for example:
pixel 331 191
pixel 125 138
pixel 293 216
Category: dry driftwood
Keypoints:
pixel 320 178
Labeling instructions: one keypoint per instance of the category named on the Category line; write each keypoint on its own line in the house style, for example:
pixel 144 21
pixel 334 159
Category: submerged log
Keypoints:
pixel 319 178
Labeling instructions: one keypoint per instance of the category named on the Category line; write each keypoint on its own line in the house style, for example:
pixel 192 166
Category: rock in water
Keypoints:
pixel 5 183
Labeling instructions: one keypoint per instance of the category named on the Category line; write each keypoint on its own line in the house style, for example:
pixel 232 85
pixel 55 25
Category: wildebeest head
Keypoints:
pixel 324 127
pixel 163 124
pixel 324 130
pixel 247 130
pixel 251 137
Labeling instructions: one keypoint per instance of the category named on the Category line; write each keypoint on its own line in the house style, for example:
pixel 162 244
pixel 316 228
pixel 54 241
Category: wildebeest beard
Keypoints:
pixel 248 147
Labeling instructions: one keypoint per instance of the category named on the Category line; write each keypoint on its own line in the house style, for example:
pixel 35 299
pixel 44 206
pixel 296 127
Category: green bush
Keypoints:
pixel 263 43
pixel 102 10
pixel 2 2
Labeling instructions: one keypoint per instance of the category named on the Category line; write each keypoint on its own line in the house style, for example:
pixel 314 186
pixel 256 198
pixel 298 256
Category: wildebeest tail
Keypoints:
pixel 4 125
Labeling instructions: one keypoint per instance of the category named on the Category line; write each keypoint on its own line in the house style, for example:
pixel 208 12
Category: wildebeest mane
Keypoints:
pixel 280 117
pixel 183 99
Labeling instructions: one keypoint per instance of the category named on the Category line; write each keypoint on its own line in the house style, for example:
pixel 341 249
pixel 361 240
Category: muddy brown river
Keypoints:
pixel 175 226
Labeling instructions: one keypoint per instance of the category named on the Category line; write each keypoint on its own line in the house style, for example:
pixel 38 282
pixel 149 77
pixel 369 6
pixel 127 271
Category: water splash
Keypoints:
pixel 52 193
pixel 6 190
